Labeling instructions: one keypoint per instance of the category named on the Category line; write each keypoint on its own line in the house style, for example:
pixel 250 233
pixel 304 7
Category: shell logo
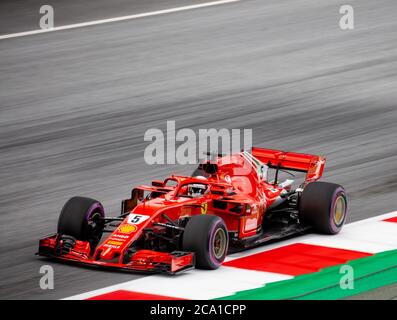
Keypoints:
pixel 127 228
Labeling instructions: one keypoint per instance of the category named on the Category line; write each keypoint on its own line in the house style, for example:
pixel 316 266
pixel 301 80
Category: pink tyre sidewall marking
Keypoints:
pixel 93 209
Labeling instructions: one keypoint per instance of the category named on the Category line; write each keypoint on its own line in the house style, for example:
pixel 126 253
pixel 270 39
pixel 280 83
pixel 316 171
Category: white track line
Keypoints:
pixel 116 19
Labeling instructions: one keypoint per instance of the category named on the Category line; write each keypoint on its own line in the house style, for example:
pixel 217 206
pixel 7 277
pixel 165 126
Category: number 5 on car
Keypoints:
pixel 136 218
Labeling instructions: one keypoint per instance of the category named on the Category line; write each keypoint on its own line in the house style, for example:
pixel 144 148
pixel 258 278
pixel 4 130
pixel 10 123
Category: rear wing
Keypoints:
pixel 311 164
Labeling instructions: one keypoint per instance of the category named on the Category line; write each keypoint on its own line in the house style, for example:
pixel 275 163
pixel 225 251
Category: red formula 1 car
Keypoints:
pixel 229 203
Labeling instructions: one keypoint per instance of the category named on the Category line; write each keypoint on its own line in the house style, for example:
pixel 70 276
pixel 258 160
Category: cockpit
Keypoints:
pixel 193 190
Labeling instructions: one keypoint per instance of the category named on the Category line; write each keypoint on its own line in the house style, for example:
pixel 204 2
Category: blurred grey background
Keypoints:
pixel 74 106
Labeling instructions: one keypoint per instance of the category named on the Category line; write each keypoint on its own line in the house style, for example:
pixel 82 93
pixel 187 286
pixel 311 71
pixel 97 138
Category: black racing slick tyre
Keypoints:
pixel 82 218
pixel 323 205
pixel 207 237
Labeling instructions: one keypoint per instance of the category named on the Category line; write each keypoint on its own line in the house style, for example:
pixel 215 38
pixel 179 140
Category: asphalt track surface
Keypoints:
pixel 75 104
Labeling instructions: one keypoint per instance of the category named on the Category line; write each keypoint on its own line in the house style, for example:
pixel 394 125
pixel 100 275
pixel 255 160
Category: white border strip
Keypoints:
pixel 116 19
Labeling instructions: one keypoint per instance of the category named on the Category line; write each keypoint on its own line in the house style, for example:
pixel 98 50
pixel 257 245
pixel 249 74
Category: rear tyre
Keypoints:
pixel 207 237
pixel 81 218
pixel 323 205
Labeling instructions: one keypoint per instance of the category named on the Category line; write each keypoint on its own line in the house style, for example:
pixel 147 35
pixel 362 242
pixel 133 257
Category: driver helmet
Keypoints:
pixel 196 190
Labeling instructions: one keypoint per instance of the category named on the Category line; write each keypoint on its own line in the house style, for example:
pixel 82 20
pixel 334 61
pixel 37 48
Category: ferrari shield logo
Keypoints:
pixel 204 207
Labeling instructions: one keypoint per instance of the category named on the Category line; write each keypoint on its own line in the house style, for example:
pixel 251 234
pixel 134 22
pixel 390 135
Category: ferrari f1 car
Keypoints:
pixel 229 203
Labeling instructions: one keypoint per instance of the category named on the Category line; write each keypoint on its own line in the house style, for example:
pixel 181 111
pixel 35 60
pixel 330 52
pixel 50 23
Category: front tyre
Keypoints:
pixel 324 205
pixel 207 237
pixel 82 218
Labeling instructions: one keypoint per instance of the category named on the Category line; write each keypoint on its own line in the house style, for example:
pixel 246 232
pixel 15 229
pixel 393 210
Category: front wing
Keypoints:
pixel 141 261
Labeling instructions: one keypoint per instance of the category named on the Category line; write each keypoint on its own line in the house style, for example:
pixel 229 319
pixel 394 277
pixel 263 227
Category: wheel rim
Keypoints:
pixel 220 242
pixel 339 210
